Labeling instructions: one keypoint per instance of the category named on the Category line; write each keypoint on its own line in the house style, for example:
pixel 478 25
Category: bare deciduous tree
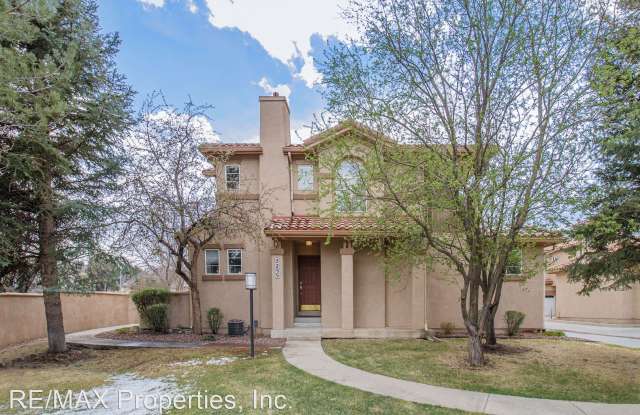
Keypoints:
pixel 168 201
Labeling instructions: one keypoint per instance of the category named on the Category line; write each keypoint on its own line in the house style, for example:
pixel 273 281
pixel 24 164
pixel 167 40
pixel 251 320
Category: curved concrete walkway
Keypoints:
pixel 309 356
pixel 88 339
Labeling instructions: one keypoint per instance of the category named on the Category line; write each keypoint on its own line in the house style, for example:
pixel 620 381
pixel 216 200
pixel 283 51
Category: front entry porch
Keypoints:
pixel 307 257
pixel 357 297
pixel 328 290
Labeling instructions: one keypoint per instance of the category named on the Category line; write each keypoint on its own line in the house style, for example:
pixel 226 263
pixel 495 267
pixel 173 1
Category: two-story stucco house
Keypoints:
pixel 308 286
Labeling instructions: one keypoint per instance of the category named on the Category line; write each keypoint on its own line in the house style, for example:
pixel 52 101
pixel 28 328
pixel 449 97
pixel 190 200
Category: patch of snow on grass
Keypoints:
pixel 119 402
pixel 187 363
pixel 221 361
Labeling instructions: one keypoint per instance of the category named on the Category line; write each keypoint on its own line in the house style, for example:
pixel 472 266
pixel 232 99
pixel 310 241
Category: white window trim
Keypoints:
pixel 521 264
pixel 206 271
pixel 226 181
pixel 313 177
pixel 241 261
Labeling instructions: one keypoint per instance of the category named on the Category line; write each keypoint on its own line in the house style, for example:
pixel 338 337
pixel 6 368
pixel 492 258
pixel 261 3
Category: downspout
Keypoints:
pixel 290 182
pixel 426 300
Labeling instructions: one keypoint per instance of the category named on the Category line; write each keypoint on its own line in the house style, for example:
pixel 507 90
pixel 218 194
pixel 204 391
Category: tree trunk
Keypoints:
pixel 471 320
pixel 196 311
pixel 490 324
pixel 476 356
pixel 51 292
pixel 490 336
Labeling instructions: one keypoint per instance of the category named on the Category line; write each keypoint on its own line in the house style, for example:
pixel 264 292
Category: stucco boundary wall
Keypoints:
pixel 22 314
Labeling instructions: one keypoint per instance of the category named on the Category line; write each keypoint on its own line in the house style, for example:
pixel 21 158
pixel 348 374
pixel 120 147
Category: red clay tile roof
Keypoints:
pixel 562 246
pixel 557 268
pixel 315 225
pixel 342 226
pixel 234 148
pixel 294 149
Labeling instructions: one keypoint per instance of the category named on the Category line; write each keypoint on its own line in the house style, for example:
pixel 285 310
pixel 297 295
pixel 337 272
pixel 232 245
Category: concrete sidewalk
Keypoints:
pixel 310 357
pixel 88 339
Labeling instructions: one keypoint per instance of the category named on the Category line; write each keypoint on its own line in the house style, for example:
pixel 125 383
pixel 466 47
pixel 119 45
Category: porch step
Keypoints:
pixel 310 322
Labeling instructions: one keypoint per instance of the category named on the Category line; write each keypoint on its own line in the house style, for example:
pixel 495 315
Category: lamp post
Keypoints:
pixel 250 284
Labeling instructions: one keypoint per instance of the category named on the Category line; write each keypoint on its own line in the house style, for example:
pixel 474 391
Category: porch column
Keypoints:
pixel 346 254
pixel 277 285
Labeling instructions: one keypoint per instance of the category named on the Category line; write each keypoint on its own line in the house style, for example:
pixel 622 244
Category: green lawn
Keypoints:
pixel 267 374
pixel 552 368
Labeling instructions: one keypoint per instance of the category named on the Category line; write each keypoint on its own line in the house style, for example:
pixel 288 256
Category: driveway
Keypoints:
pixel 620 335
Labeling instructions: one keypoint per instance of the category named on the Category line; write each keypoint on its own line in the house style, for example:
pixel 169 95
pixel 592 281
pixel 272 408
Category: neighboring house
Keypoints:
pixel 309 284
pixel 613 306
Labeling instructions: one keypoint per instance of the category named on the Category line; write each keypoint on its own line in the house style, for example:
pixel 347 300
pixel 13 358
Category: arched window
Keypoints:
pixel 350 187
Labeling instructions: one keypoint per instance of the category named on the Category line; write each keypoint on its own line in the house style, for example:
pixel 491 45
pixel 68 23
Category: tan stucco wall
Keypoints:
pixel 399 300
pixel 180 310
pixel 22 315
pixel 305 207
pixel 249 174
pixel 443 303
pixel 599 305
pixel 369 290
pixel 229 294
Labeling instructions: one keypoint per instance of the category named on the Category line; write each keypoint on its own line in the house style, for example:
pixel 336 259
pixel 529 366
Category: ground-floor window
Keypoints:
pixel 234 261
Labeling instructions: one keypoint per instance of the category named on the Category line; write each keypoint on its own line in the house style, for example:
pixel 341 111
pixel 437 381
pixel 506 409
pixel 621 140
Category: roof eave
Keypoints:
pixel 542 241
pixel 216 150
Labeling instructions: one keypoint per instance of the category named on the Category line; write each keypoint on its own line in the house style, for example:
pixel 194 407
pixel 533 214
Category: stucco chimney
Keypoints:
pixel 274 121
pixel 275 133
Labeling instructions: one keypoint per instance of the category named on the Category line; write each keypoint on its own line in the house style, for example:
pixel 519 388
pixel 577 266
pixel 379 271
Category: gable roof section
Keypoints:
pixel 344 127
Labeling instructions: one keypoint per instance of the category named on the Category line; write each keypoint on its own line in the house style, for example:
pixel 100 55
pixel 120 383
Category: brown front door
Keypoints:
pixel 309 283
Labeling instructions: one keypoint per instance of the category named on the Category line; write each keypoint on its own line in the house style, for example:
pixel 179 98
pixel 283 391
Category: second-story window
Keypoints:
pixel 350 188
pixel 232 176
pixel 305 177
pixel 514 263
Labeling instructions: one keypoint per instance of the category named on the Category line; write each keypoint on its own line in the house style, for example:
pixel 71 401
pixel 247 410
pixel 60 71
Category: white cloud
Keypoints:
pixel 152 3
pixel 191 4
pixel 283 27
pixel 301 133
pixel 202 128
pixel 281 89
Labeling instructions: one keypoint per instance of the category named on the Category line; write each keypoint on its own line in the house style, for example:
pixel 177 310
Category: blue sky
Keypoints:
pixel 226 54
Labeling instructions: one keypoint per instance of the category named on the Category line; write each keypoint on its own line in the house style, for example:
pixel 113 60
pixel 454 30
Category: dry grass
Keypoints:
pixel 268 373
pixel 545 368
pixel 11 353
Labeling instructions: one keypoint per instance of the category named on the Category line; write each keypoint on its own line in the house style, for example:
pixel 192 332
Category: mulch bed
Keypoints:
pixel 188 337
pixel 72 355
